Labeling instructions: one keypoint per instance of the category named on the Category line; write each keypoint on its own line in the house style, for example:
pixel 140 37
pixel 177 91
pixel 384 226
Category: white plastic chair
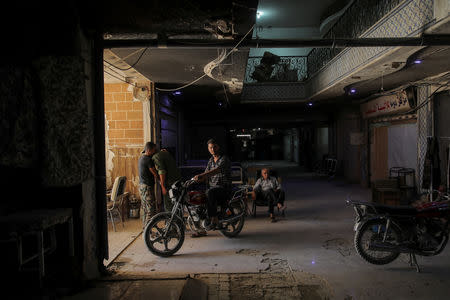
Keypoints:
pixel 117 196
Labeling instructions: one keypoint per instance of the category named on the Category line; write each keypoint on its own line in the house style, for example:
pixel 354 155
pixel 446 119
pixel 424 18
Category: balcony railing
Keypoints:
pixel 289 69
pixel 358 18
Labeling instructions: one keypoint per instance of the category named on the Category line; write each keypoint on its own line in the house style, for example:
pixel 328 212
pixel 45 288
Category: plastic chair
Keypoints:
pixel 258 201
pixel 117 196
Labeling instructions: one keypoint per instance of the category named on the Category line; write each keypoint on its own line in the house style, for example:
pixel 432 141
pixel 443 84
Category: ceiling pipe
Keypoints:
pixel 426 40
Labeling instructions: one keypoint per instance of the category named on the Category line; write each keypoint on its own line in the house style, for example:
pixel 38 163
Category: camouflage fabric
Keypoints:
pixel 148 202
pixel 168 205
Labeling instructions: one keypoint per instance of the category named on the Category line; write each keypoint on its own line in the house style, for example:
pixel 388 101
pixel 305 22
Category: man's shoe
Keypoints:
pixel 273 220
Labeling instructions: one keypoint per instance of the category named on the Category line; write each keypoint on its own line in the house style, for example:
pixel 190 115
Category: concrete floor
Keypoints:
pixel 307 255
pixel 124 235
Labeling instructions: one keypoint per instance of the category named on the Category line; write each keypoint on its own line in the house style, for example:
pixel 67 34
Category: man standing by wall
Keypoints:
pixel 166 167
pixel 147 178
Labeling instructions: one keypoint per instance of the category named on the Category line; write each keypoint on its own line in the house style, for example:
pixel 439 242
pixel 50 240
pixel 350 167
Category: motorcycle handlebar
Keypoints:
pixel 189 182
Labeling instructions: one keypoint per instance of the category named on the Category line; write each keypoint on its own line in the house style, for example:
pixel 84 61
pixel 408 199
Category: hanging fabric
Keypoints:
pixel 431 168
pixel 448 169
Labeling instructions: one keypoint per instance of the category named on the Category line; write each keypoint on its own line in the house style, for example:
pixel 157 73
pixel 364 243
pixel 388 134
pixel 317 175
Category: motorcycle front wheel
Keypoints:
pixel 163 238
pixel 232 229
pixel 371 233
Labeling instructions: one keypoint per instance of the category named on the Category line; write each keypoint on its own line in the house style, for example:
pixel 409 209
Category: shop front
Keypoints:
pixel 392 141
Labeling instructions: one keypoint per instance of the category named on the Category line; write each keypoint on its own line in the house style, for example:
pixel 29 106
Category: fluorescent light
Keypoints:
pixel 259 14
pixel 243 135
pixel 418 61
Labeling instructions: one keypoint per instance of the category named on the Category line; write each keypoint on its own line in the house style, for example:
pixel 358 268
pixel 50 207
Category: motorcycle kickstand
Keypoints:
pixel 413 261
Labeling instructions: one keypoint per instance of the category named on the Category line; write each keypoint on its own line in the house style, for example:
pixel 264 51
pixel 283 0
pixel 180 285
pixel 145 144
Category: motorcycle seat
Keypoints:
pixel 402 210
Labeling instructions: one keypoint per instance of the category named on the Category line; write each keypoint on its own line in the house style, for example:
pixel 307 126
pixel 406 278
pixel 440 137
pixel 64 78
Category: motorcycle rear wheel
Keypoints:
pixel 373 231
pixel 231 230
pixel 154 235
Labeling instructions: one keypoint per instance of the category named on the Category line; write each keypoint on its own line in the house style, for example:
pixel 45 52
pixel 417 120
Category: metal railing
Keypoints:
pixel 359 17
pixel 289 69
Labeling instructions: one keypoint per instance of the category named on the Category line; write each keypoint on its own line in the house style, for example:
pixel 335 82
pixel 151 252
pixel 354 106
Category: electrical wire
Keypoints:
pixel 118 78
pixel 226 95
pixel 132 66
pixel 192 82
pixel 181 87
pixel 106 66
pixel 186 85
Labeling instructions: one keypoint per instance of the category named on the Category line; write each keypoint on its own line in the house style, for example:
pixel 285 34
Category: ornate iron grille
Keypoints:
pixel 424 119
pixel 359 17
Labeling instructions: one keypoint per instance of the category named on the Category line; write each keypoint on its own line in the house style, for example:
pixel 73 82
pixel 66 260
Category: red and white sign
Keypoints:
pixel 385 105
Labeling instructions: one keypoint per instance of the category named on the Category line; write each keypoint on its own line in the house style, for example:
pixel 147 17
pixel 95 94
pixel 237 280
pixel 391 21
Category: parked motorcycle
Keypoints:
pixel 382 232
pixel 164 234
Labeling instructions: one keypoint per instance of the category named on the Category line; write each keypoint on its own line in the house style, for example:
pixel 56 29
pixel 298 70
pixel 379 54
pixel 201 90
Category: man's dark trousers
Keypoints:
pixel 271 197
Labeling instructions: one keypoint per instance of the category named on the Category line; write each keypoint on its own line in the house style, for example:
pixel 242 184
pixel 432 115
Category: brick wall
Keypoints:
pixel 124 135
pixel 124 116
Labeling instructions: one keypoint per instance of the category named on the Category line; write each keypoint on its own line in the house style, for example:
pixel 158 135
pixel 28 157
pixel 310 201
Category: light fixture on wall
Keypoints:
pixel 259 13
pixel 141 93
pixel 418 61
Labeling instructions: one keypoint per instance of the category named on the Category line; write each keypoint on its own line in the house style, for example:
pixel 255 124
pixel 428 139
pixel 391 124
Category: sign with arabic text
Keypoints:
pixel 385 105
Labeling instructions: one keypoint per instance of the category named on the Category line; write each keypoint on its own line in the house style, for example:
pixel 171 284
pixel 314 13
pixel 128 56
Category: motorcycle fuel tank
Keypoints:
pixel 434 209
pixel 197 198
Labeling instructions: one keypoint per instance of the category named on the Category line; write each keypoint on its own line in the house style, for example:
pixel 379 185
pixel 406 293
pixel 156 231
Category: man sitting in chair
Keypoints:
pixel 269 189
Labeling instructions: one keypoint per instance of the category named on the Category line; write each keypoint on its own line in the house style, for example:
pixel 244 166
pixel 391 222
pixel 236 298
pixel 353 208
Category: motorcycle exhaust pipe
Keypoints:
pixel 235 218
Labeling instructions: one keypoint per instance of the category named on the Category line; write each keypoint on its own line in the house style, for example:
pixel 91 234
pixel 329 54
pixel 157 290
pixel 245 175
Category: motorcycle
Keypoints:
pixel 383 232
pixel 164 233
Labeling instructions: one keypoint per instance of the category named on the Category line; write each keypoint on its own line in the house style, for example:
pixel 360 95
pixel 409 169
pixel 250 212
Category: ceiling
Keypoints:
pixel 294 20
pixel 176 67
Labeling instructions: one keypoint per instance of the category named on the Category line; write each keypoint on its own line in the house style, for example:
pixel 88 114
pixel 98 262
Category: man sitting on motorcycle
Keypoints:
pixel 218 177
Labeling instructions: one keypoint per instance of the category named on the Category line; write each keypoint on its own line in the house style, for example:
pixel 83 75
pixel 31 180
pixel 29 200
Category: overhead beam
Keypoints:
pixel 426 40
